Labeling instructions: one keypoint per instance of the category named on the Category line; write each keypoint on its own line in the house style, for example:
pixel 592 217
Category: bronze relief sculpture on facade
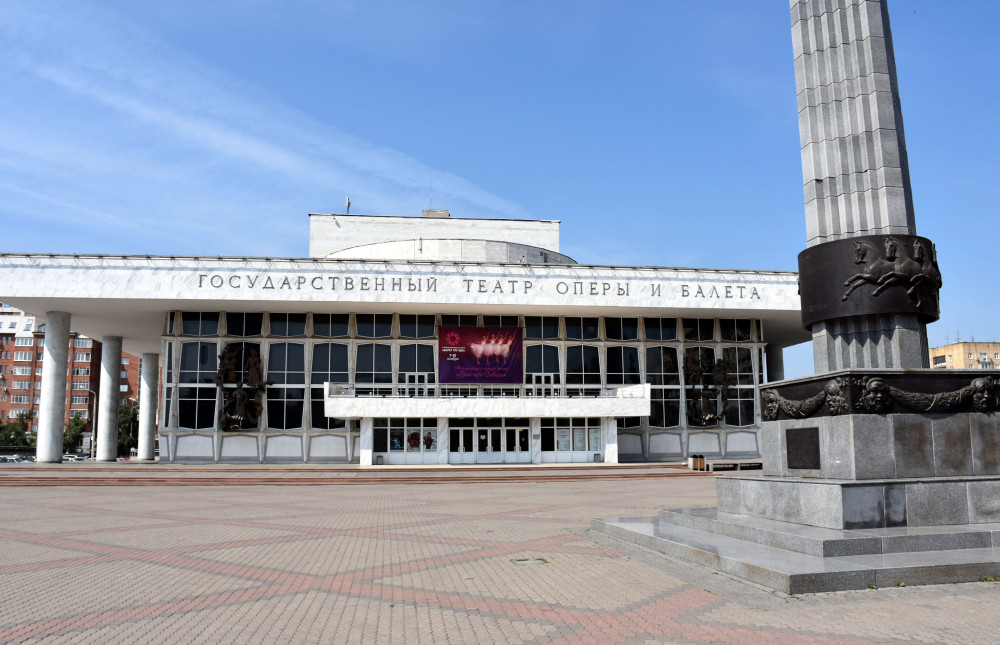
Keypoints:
pixel 707 390
pixel 243 404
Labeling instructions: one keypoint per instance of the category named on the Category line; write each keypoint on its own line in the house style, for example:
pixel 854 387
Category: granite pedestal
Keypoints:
pixel 882 495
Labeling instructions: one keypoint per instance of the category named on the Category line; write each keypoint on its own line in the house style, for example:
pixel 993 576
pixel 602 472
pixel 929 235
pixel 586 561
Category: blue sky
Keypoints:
pixel 660 132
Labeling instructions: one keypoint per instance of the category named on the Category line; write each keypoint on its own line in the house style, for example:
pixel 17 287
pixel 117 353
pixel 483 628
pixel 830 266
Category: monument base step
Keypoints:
pixel 788 557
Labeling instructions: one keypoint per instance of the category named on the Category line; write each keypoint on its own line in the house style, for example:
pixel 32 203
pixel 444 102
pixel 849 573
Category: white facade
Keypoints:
pixel 311 322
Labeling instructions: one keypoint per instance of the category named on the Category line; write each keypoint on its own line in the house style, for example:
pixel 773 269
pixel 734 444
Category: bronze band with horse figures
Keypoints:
pixel 869 275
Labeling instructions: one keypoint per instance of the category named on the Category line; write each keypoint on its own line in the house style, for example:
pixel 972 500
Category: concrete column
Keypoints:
pixel 535 425
pixel 52 410
pixel 775 358
pixel 367 440
pixel 610 432
pixel 444 440
pixel 107 419
pixel 149 395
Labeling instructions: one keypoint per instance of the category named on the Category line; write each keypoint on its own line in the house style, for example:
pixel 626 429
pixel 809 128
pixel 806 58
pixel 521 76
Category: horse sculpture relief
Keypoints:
pixel 918 272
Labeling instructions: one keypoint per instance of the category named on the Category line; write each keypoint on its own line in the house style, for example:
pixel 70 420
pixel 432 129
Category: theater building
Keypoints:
pixel 418 340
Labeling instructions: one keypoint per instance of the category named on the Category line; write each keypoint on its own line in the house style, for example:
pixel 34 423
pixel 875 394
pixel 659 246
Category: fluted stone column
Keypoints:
pixel 52 409
pixel 107 420
pixel 148 405
pixel 855 172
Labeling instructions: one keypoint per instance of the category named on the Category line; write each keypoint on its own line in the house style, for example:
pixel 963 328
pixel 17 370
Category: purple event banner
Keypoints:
pixel 479 355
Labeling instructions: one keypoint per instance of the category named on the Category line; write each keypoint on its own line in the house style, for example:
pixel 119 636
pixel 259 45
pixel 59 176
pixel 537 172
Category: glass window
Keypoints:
pixel 541 327
pixel 286 368
pixel 623 365
pixel 583 367
pixel 541 369
pixel 699 329
pixel 241 363
pixel 548 435
pixel 739 364
pixel 661 366
pixel 665 408
pixel 287 324
pixel 331 325
pixel 563 434
pixel 463 320
pixel 701 394
pixel 329 364
pixel 698 365
pixel 416 326
pixel 373 325
pixel 169 367
pixel 740 406
pixel 196 399
pixel 741 402
pixel 373 364
pixel 499 321
pixel 198 363
pixel 205 323
pixel 244 324
pixel 542 359
pixel 397 433
pixel 380 435
pixel 735 330
pixel 582 328
pixel 660 328
pixel 416 369
pixel 621 328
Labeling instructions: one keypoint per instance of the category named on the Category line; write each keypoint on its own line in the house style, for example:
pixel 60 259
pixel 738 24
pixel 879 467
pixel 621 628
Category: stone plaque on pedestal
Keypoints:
pixel 802 448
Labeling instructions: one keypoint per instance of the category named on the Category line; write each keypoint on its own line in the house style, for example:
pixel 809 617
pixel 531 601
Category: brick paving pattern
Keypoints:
pixel 502 562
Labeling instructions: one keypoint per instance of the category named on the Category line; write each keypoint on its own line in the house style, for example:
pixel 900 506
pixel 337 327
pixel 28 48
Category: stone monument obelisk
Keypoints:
pixel 856 180
pixel 871 443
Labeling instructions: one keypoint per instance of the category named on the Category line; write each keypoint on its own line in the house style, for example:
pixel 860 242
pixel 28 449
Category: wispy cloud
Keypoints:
pixel 102 116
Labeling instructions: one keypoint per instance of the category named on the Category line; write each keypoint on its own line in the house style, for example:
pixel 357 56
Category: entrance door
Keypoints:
pixel 489 446
pixel 517 448
pixel 489 441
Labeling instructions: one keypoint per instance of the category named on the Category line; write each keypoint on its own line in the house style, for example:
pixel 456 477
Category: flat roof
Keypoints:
pixel 128 295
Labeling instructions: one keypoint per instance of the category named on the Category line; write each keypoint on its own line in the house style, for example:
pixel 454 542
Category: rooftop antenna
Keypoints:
pixel 430 191
pixel 348 211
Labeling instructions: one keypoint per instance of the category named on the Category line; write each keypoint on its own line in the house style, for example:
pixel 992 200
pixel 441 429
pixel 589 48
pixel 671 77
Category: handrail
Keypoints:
pixel 452 390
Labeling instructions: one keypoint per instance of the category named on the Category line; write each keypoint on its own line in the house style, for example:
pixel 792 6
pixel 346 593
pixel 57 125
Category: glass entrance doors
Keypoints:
pixel 489 441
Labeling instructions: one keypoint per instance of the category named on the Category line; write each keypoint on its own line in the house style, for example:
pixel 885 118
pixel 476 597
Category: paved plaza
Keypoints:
pixel 508 561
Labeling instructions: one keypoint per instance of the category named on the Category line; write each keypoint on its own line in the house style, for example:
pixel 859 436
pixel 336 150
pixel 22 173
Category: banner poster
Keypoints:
pixel 477 355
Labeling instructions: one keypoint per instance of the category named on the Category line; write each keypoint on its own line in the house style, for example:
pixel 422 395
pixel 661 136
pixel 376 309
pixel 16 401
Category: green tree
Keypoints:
pixel 128 427
pixel 73 436
pixel 18 433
